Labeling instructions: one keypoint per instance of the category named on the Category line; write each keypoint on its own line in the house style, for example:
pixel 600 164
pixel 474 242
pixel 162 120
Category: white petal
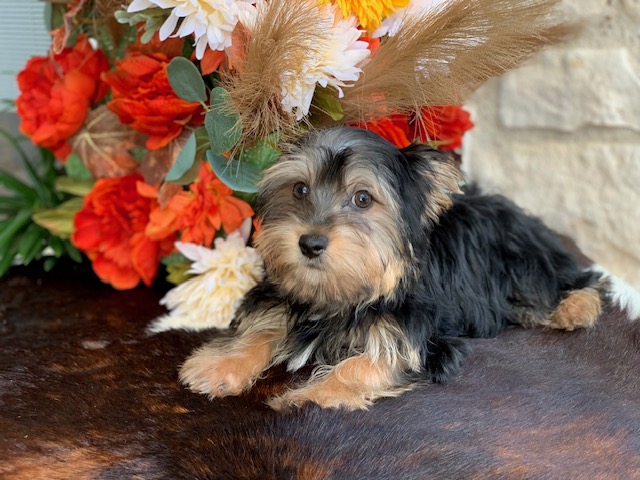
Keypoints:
pixel 168 27
pixel 139 5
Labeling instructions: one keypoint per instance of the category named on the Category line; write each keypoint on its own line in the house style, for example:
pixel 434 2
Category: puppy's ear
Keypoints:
pixel 438 174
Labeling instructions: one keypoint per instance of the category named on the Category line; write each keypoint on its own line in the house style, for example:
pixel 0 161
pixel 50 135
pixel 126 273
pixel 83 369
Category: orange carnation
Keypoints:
pixel 56 92
pixel 110 230
pixel 144 99
pixel 201 212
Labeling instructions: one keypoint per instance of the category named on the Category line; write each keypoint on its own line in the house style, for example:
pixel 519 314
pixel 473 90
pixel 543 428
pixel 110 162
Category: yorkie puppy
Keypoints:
pixel 376 263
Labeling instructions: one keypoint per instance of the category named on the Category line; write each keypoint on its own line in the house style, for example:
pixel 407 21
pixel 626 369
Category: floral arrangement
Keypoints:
pixel 155 119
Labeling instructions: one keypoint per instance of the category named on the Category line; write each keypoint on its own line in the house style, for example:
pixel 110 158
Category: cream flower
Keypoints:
pixel 333 63
pixel 223 276
pixel 211 22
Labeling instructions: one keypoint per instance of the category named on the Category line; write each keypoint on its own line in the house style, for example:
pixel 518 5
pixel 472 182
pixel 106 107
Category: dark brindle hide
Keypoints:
pixel 85 393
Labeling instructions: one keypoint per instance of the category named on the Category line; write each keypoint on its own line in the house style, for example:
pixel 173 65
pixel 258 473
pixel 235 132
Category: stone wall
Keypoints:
pixel 561 135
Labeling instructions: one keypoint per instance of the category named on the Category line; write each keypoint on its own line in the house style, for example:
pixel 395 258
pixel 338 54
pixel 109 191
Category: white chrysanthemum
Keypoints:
pixel 392 23
pixel 334 63
pixel 209 300
pixel 210 21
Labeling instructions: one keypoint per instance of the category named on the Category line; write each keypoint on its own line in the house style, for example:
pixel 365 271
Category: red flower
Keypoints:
pixel 56 93
pixel 394 128
pixel 443 124
pixel 201 212
pixel 144 99
pixel 110 230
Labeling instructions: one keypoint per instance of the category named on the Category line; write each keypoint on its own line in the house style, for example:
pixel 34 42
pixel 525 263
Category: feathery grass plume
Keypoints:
pixel 286 36
pixel 439 57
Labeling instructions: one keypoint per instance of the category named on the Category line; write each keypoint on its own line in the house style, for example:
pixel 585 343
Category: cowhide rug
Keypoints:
pixel 86 393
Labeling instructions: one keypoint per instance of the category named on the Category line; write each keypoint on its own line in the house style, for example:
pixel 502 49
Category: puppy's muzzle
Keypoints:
pixel 313 246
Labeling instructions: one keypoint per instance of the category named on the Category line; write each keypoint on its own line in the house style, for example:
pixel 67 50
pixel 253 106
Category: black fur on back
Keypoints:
pixel 482 264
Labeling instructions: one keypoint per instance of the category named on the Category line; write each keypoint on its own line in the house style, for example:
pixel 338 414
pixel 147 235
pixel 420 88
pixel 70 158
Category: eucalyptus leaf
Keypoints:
pixel 262 153
pixel 186 80
pixel 147 35
pixel 190 175
pixel 239 176
pixel 185 160
pixel 76 169
pixel 222 123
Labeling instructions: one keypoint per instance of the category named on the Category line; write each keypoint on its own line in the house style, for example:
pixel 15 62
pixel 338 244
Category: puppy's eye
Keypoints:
pixel 362 199
pixel 300 190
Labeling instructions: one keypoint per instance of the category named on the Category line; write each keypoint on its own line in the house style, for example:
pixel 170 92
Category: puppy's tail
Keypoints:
pixel 618 292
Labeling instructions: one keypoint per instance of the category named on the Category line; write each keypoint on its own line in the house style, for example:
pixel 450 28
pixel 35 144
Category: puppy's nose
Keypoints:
pixel 312 246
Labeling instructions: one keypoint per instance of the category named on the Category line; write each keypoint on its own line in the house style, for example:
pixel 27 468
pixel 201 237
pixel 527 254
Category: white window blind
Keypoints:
pixel 22 35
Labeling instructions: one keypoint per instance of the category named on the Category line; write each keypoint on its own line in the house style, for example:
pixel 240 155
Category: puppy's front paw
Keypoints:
pixel 323 394
pixel 216 376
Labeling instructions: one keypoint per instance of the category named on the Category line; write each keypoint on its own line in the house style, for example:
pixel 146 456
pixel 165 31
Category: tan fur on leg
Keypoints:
pixel 218 371
pixel 581 308
pixel 228 367
pixel 352 384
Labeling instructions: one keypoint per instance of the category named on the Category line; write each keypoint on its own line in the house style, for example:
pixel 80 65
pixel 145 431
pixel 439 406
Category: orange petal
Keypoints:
pixel 211 61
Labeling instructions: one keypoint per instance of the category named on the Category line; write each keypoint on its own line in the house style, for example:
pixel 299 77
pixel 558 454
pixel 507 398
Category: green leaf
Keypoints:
pixel 57 244
pixel 10 204
pixel 53 15
pixel 186 80
pixel 59 220
pixel 4 224
pixel 31 243
pixel 148 32
pixel 49 263
pixel 138 153
pixel 74 187
pixel 49 162
pixel 177 273
pixel 41 189
pixel 326 100
pixel 174 257
pixel 222 122
pixel 190 175
pixel 262 153
pixel 185 160
pixel 11 229
pixel 7 260
pixel 239 176
pixel 75 168
pixel 18 186
pixel 72 251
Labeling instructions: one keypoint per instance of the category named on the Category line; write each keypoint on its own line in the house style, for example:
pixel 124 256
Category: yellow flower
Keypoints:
pixel 369 12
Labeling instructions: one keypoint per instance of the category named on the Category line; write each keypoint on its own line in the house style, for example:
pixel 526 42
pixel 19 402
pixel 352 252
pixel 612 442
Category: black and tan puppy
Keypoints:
pixel 375 265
